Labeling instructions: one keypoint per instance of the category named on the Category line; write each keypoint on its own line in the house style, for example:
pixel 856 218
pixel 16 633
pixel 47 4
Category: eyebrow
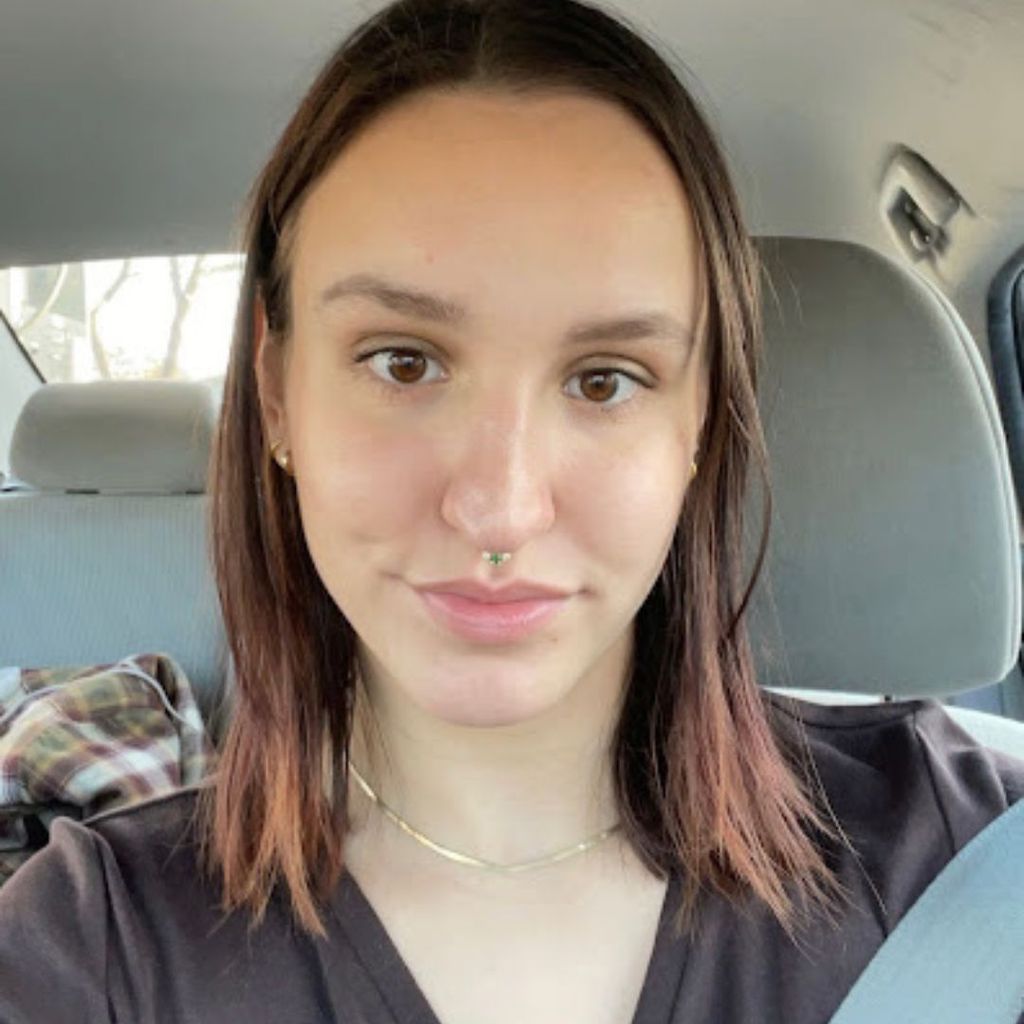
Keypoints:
pixel 438 309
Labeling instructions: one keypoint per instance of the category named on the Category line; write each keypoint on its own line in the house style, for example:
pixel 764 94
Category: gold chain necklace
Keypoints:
pixel 476 862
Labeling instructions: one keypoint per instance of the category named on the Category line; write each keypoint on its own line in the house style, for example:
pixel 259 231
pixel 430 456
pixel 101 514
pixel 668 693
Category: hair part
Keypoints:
pixel 706 785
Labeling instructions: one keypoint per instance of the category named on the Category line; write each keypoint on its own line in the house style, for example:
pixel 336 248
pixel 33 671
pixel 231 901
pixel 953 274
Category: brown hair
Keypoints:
pixel 705 785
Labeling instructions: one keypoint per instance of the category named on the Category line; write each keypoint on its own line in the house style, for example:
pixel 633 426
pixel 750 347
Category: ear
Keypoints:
pixel 269 366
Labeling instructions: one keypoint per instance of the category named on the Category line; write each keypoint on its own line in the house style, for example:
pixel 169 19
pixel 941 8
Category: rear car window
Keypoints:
pixel 161 317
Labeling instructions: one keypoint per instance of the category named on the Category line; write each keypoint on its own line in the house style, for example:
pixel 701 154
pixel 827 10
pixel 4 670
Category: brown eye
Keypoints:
pixel 406 367
pixel 604 387
pixel 400 366
pixel 599 386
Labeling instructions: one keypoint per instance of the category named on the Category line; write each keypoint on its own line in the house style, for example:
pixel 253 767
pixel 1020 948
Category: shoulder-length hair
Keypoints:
pixel 706 786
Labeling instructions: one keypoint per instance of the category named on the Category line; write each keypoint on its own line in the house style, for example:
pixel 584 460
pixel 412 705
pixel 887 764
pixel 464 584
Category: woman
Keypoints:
pixel 497 751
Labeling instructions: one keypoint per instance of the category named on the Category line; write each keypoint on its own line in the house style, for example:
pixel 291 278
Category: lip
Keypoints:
pixel 514 591
pixel 491 621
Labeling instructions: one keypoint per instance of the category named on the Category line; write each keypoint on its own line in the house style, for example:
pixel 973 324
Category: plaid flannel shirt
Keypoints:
pixel 78 741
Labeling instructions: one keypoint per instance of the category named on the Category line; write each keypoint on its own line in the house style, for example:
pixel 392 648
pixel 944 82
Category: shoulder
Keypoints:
pixel 148 828
pixel 83 900
pixel 892 741
pixel 149 856
pixel 907 784
pixel 128 870
pixel 129 834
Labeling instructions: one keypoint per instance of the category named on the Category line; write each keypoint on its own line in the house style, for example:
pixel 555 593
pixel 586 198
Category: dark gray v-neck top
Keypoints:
pixel 112 923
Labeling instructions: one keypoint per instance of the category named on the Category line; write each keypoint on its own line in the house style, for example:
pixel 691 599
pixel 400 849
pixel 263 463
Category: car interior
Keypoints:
pixel 878 151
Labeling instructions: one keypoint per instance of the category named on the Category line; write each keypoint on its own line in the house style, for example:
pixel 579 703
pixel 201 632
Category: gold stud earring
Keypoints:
pixel 283 459
pixel 693 470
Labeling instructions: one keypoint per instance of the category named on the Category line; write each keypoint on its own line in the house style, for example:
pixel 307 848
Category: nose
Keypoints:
pixel 498 492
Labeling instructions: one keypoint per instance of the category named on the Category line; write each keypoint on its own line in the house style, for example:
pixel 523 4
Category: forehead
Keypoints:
pixel 564 195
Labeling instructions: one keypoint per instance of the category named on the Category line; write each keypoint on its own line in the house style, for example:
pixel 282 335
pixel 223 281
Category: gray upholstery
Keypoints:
pixel 92 577
pixel 893 566
pixel 147 436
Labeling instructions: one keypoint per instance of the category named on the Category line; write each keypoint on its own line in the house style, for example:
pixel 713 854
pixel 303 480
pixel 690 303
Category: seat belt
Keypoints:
pixel 957 955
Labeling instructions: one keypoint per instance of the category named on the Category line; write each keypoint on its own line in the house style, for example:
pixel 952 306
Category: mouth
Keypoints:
pixel 489 621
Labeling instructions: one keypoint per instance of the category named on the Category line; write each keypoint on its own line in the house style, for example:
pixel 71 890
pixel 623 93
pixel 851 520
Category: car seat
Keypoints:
pixel 103 535
pixel 893 568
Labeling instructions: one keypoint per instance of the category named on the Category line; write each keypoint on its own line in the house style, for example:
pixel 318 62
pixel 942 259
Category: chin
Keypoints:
pixel 486 700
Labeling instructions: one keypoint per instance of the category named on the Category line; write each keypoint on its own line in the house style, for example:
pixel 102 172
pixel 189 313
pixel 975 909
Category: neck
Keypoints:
pixel 504 794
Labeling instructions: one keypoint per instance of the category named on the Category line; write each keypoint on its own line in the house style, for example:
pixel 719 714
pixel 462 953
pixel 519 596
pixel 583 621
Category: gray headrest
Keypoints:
pixel 137 436
pixel 894 565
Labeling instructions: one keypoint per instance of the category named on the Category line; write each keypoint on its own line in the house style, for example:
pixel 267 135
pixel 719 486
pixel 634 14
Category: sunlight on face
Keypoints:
pixel 491 427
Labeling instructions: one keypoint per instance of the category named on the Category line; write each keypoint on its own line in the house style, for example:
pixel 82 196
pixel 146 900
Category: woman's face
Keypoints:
pixel 490 428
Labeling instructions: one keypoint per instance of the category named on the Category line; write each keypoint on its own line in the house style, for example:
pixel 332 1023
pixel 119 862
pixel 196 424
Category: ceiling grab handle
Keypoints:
pixel 917 204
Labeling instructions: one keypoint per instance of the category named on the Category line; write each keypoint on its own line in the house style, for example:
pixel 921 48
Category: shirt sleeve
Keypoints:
pixel 54 925
pixel 973 784
pixel 910 787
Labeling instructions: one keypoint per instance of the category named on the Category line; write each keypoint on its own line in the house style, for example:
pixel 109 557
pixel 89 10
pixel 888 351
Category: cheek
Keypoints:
pixel 357 475
pixel 358 484
pixel 632 505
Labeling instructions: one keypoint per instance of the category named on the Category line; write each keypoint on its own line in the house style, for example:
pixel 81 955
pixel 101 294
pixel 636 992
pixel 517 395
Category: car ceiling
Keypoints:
pixel 134 127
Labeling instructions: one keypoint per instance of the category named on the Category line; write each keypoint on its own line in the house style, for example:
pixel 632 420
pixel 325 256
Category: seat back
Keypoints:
pixel 893 566
pixel 103 541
